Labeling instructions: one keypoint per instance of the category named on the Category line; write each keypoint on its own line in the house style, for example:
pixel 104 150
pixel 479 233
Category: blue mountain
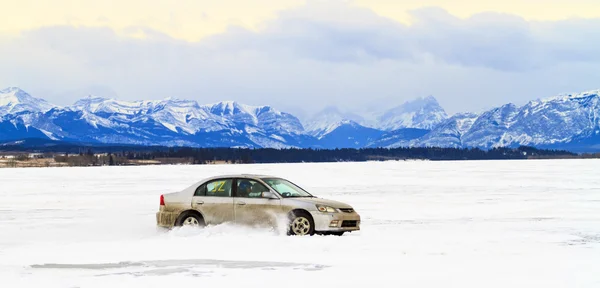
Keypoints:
pixel 349 134
pixel 569 122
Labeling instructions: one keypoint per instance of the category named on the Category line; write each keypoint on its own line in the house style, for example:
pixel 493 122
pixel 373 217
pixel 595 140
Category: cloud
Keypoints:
pixel 320 54
pixel 489 40
pixel 322 31
pixel 501 41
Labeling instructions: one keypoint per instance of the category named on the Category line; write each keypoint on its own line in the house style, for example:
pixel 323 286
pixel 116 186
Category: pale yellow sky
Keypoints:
pixel 193 19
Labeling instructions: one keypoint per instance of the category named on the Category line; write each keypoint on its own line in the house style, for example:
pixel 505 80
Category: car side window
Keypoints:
pixel 201 190
pixel 219 188
pixel 250 188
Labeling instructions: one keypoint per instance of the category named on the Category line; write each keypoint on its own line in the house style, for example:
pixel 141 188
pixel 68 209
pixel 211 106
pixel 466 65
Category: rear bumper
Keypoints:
pixel 166 219
pixel 331 222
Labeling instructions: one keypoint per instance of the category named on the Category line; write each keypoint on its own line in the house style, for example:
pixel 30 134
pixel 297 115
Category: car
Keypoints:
pixel 255 200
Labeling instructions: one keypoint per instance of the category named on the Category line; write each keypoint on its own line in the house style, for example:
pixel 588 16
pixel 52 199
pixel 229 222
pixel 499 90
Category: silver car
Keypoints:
pixel 256 200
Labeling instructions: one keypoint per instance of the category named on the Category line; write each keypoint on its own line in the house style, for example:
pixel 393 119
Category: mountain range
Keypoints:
pixel 563 122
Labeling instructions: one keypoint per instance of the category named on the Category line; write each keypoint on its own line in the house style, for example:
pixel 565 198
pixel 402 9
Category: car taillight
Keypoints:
pixel 162 200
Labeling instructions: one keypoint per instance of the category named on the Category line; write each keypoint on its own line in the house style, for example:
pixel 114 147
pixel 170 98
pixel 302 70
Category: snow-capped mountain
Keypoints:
pixel 568 121
pixel 417 117
pixel 162 122
pixel 262 117
pixel 450 133
pixel 421 113
pixel 329 119
pixel 14 100
pixel 552 123
pixel 402 137
pixel 179 116
pixel 348 134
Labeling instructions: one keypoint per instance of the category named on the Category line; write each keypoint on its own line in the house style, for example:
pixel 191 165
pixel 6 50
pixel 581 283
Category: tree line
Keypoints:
pixel 291 155
pixel 94 155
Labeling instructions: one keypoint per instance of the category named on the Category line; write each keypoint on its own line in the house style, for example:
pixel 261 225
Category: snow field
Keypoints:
pixel 424 224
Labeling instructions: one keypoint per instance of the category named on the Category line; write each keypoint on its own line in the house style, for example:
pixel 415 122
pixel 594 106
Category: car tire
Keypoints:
pixel 301 224
pixel 190 219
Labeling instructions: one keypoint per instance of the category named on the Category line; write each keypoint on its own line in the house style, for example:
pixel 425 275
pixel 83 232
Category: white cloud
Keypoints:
pixel 314 56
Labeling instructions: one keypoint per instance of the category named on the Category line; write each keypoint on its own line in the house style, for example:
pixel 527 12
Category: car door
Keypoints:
pixel 214 200
pixel 250 207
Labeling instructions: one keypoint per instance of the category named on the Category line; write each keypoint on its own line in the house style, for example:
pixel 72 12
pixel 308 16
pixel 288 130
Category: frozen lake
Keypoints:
pixel 424 224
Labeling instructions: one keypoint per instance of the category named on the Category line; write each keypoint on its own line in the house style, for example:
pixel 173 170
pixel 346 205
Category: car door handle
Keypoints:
pixel 199 202
pixel 241 203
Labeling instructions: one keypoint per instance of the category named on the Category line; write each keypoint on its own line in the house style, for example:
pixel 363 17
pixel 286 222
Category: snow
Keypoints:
pixel 48 134
pixel 422 113
pixel 95 104
pixel 464 122
pixel 15 100
pixel 570 96
pixel 329 119
pixel 170 126
pixel 324 130
pixel 224 108
pixel 277 137
pixel 424 224
pixel 269 141
pixel 251 129
pixel 8 99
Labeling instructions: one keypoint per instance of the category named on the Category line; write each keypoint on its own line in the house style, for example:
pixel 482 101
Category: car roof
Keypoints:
pixel 241 176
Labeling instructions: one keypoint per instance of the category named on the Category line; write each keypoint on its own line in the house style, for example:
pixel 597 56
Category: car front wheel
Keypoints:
pixel 301 224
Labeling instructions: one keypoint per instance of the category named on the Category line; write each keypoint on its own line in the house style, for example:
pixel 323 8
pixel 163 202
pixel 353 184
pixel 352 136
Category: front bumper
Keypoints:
pixel 331 222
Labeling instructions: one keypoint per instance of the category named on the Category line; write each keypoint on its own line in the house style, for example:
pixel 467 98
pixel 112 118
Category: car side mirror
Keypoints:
pixel 268 195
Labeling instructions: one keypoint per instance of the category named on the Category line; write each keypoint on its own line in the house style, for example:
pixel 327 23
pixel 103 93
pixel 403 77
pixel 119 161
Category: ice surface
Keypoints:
pixel 425 224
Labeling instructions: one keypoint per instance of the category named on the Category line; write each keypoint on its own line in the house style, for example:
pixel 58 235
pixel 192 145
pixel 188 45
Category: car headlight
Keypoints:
pixel 327 209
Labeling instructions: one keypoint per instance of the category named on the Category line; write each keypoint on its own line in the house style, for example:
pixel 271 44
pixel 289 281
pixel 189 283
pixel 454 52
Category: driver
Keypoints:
pixel 247 189
pixel 244 188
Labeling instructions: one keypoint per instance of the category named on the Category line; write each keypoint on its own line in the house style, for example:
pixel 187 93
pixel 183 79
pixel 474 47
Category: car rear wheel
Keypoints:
pixel 190 220
pixel 301 224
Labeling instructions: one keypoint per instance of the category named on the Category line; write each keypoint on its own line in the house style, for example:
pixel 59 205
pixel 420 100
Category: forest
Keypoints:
pixel 100 155
pixel 268 155
pixel 188 155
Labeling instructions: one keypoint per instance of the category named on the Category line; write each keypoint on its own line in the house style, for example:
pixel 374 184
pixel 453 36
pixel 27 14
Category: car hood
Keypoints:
pixel 332 203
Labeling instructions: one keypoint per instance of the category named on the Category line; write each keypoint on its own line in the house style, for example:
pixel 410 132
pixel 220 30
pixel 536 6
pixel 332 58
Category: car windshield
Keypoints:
pixel 286 188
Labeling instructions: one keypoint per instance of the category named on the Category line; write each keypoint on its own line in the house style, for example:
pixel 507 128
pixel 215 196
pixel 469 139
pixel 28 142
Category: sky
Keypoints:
pixel 302 56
